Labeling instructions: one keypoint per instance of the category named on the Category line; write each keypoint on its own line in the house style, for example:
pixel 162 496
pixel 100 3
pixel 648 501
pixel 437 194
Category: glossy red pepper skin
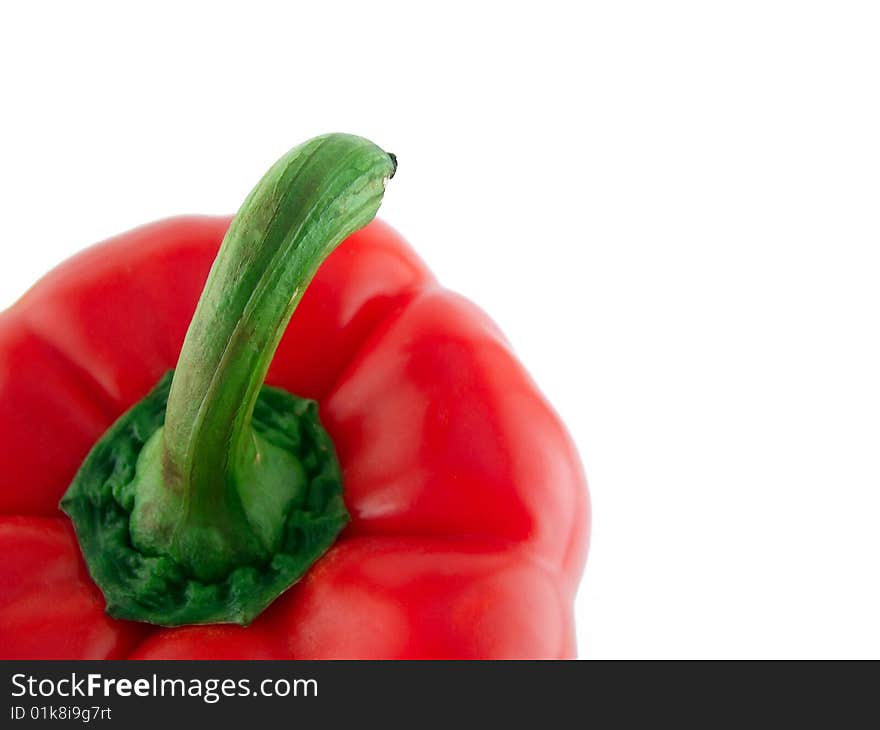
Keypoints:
pixel 469 506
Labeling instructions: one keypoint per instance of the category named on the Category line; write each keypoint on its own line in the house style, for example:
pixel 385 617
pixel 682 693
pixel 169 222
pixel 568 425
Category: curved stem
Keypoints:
pixel 305 205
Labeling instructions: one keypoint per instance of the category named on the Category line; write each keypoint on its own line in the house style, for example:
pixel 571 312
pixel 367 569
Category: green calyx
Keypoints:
pixel 154 586
pixel 215 493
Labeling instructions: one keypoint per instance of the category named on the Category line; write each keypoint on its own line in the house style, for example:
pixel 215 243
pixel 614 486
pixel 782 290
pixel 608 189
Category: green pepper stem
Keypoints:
pixel 305 205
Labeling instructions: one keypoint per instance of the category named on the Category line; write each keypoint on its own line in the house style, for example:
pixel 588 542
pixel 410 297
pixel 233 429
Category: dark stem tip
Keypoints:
pixel 393 164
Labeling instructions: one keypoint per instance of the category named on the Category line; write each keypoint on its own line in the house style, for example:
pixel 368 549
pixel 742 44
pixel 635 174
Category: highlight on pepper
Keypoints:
pixel 277 436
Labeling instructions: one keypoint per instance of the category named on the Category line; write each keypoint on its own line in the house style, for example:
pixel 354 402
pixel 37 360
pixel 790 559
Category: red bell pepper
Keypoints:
pixel 467 502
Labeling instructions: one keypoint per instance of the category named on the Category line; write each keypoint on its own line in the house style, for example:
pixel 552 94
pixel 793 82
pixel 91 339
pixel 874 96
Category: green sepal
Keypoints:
pixel 156 589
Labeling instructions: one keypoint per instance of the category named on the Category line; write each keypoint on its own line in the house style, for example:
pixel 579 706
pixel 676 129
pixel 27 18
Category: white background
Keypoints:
pixel 672 209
